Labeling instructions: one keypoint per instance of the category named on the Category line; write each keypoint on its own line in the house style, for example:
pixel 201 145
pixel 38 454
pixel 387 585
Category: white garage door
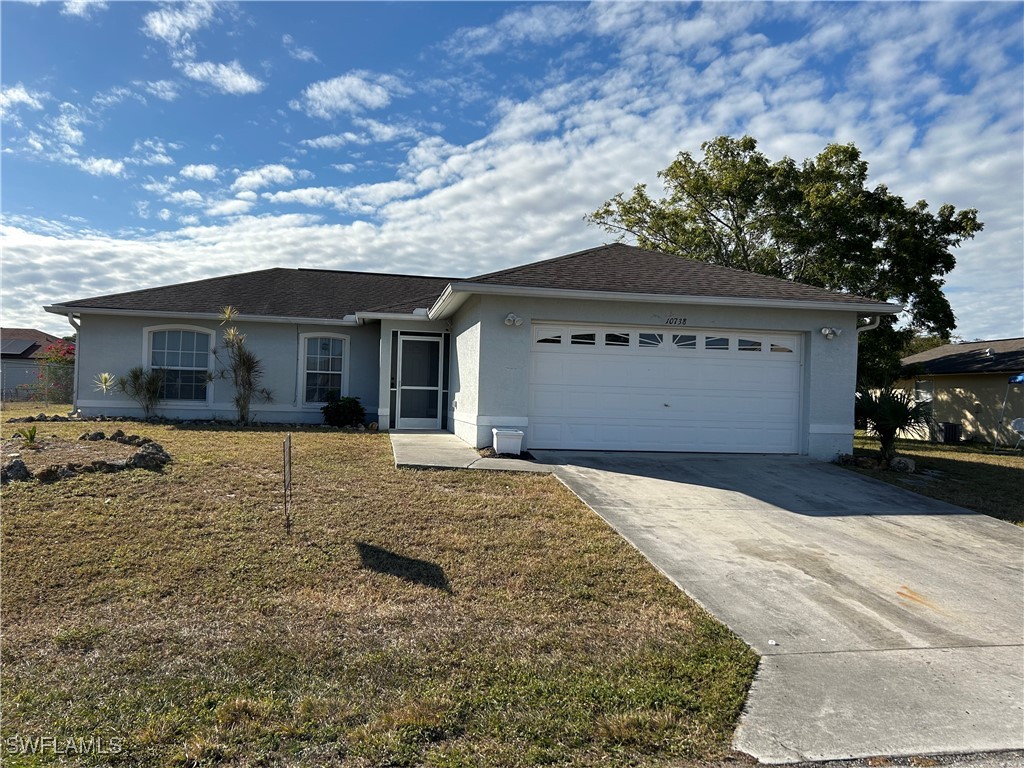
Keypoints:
pixel 671 389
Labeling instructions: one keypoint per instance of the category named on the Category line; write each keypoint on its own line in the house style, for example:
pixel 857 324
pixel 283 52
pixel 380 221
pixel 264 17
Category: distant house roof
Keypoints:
pixel 278 292
pixel 999 356
pixel 328 294
pixel 24 343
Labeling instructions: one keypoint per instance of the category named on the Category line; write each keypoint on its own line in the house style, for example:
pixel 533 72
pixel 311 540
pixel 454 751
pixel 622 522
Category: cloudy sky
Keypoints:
pixel 146 144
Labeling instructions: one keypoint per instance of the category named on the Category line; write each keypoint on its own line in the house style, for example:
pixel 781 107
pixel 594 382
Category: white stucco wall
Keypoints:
pixel 114 344
pixel 464 394
pixel 496 394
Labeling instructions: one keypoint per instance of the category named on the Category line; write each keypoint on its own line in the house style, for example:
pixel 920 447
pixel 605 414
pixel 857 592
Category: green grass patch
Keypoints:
pixel 971 475
pixel 411 618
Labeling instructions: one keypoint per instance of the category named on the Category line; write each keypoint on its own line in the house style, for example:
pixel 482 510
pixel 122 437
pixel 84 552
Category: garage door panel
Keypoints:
pixel 667 398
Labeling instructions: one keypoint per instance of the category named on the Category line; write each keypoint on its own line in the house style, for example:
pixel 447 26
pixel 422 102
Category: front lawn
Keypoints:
pixel 970 476
pixel 411 618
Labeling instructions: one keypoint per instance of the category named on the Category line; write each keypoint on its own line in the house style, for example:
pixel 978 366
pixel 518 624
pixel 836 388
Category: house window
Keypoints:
pixel 323 368
pixel 924 391
pixel 184 358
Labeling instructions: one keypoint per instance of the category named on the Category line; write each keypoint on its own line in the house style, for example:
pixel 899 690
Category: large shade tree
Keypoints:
pixel 815 222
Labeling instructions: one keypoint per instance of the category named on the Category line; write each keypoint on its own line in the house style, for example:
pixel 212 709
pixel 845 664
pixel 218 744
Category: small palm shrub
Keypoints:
pixel 889 412
pixel 28 436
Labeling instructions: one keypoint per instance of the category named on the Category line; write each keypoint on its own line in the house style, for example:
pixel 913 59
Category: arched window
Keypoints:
pixel 183 354
pixel 323 367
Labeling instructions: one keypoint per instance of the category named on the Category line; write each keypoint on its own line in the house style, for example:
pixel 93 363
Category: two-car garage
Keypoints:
pixel 667 388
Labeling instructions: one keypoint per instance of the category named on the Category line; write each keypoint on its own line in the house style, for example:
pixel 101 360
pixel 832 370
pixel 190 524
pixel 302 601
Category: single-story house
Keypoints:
pixel 967 385
pixel 611 348
pixel 21 350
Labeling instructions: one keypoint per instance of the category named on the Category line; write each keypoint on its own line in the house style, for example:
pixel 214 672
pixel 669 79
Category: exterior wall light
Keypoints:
pixel 512 319
pixel 830 333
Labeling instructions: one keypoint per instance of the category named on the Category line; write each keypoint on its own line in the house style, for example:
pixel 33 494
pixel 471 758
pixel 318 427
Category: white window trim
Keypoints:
pixel 300 374
pixel 147 356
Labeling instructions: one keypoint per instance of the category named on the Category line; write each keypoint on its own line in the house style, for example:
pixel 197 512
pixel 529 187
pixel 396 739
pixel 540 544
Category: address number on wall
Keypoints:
pixel 675 321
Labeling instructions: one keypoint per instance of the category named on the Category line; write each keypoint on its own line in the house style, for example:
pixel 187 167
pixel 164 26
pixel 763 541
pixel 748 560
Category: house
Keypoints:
pixel 967 385
pixel 613 347
pixel 21 350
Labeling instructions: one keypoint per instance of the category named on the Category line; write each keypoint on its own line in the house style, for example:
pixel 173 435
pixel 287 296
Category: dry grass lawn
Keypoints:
pixel 970 476
pixel 411 618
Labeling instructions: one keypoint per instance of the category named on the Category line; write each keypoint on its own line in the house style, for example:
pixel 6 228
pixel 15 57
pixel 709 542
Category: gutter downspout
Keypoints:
pixel 78 347
pixel 873 322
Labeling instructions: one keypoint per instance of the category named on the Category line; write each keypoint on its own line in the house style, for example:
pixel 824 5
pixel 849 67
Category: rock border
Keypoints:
pixel 150 455
pixel 373 426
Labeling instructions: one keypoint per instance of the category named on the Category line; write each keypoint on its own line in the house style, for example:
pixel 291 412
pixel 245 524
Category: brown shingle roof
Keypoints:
pixel 627 269
pixel 278 292
pixel 998 356
pixel 39 341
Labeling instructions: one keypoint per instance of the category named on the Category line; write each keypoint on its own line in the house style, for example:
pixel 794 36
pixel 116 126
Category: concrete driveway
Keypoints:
pixel 888 623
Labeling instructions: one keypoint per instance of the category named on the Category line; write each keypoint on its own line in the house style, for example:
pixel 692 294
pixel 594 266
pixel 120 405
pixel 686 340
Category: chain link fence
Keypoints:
pixel 29 381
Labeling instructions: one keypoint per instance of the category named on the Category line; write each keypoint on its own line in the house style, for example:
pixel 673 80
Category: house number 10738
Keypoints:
pixel 676 321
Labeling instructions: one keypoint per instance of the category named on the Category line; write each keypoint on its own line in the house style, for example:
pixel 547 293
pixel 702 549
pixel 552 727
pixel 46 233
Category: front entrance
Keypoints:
pixel 419 384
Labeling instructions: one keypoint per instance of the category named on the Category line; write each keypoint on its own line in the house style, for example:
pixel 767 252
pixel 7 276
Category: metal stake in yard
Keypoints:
pixel 288 484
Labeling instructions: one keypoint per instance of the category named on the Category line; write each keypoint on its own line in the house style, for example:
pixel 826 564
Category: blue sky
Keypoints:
pixel 146 144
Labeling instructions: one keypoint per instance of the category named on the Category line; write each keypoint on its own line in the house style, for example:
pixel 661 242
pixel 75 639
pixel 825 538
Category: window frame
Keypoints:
pixel 300 380
pixel 147 356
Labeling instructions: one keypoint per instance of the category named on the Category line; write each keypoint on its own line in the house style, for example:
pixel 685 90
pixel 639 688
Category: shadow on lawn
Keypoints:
pixel 409 568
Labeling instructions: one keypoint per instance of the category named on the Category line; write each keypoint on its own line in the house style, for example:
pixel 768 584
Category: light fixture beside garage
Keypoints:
pixel 830 333
pixel 513 319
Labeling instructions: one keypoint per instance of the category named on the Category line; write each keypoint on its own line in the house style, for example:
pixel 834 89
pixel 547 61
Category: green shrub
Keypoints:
pixel 889 412
pixel 343 411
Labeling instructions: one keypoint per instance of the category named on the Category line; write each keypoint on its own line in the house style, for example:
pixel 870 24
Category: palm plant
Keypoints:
pixel 888 412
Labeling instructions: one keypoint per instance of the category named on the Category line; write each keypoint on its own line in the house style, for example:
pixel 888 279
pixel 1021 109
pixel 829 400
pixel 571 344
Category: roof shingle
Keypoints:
pixel 998 356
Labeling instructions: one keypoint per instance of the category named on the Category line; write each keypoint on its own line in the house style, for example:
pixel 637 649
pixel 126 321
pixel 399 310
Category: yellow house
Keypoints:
pixel 970 385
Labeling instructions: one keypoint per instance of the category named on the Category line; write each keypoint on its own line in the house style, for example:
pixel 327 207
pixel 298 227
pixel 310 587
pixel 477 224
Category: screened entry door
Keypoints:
pixel 419 383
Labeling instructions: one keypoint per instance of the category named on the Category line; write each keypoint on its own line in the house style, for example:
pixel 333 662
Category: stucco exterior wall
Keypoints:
pixel 114 344
pixel 500 396
pixel 464 393
pixel 975 401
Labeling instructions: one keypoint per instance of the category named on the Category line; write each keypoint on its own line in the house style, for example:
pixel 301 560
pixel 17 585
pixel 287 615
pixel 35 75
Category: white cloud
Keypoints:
pixel 185 197
pixel 164 214
pixel 18 95
pixel 100 166
pixel 152 152
pixel 353 92
pixel 228 78
pixel 65 125
pixel 83 8
pixel 265 176
pixel 166 90
pixel 296 51
pixel 536 24
pixel 173 23
pixel 334 140
pixel 343 167
pixel 387 132
pixel 200 172
pixel 234 207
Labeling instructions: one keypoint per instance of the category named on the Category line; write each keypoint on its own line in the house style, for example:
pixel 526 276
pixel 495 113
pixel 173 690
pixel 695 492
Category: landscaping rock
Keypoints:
pixel 903 464
pixel 373 427
pixel 151 456
pixel 116 435
pixel 14 471
pixel 865 462
pixel 96 436
pixel 49 475
pixel 84 436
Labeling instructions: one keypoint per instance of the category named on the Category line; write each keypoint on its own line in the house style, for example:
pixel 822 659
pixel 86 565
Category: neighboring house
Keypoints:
pixel 610 348
pixel 967 385
pixel 21 350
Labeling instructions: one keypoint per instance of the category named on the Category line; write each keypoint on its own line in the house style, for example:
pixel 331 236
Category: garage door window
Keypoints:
pixel 651 339
pixel 616 339
pixel 587 339
pixel 720 343
pixel 781 348
pixel 549 337
pixel 684 341
pixel 750 345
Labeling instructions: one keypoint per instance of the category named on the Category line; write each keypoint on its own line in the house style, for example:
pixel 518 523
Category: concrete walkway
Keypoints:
pixel 443 450
pixel 888 623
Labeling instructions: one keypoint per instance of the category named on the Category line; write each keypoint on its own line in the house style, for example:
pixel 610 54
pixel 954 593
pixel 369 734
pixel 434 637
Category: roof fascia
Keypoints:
pixel 415 316
pixel 456 293
pixel 59 309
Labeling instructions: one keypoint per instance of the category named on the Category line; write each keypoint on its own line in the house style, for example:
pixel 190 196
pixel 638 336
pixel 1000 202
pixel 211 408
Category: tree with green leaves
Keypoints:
pixel 816 222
